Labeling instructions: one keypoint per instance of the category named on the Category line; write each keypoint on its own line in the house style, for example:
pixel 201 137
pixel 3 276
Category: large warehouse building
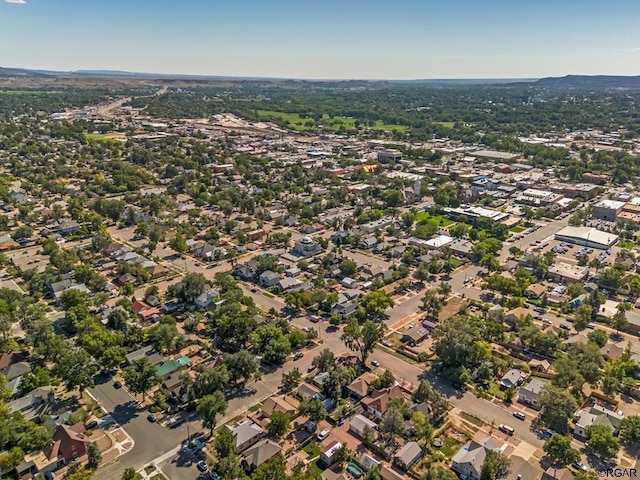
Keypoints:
pixel 587 236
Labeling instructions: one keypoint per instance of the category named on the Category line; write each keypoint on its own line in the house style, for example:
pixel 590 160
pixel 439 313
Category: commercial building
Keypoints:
pixel 537 198
pixel 494 155
pixel 474 212
pixel 564 272
pixel 607 210
pixel 587 236
pixel 390 156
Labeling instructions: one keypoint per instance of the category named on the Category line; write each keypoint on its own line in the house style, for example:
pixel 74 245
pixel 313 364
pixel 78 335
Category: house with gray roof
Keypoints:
pixel 268 278
pixel 530 393
pixel 408 455
pixel 513 378
pixel 469 459
pixel 595 415
pixel 245 435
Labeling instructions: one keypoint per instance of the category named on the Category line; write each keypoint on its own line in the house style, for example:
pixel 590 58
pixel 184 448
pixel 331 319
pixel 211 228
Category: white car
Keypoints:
pixel 323 434
pixel 375 363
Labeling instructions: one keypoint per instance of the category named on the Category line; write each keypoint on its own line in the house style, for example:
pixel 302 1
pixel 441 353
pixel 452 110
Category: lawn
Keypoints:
pixel 296 122
pixel 472 419
pixel 517 229
pixel 104 137
pixel 450 446
pixel 314 470
pixel 625 244
pixel 424 216
pixel 494 389
pixel 312 450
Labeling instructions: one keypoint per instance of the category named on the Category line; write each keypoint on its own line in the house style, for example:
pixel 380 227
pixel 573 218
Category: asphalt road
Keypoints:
pixel 150 439
pixel 467 402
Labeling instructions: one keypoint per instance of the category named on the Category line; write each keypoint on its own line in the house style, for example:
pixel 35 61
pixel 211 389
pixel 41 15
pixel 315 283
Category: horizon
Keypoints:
pixel 287 39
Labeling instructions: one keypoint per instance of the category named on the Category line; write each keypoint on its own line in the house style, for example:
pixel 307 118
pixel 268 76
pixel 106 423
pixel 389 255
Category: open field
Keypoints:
pixel 439 219
pixel 298 123
pixel 104 137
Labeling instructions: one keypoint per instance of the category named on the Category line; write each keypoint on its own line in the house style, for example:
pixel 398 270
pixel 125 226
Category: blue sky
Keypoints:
pixel 384 39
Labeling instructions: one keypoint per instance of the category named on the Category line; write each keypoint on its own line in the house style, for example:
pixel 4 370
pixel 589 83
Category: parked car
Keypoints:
pixel 375 363
pixel 323 434
pixel 547 321
pixel 298 356
pixel 591 325
pixel 152 418
pixel 580 466
pixel 506 429
pixel 564 326
pixel 520 415
pixel 202 466
pixel 117 384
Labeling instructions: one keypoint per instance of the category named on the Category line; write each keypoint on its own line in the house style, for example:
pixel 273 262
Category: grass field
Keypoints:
pixel 424 216
pixel 445 124
pixel 517 229
pixel 625 244
pixel 296 122
pixel 104 137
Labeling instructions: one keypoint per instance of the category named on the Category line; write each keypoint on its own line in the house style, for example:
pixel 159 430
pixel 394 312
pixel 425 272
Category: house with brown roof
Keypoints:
pixel 359 388
pixel 73 441
pixel 260 453
pixel 535 290
pixel 376 403
pixel 287 404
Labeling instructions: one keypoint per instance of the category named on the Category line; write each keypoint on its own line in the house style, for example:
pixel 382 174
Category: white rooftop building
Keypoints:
pixel 587 236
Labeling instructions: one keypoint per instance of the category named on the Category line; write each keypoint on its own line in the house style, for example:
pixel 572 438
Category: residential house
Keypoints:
pixel 306 247
pixel 359 424
pixel 206 298
pixel 368 242
pixel 359 388
pixel 540 365
pixel 344 309
pixel 595 415
pixel 260 453
pixel 530 393
pixel 268 278
pixel 306 391
pixel 513 378
pixel 376 402
pixel 145 352
pixel 34 404
pixel 328 455
pixel 245 272
pixel 73 441
pixel 9 359
pixel 535 291
pixel 288 284
pixel 469 459
pixel 287 404
pixel 166 368
pixel 320 379
pixel 408 455
pixel 245 435
pixel 415 335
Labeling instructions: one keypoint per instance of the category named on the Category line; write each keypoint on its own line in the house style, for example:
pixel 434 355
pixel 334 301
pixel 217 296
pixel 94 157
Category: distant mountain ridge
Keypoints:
pixel 582 82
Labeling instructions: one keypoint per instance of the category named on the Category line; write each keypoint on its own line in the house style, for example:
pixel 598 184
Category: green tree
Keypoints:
pixel 598 337
pixel 224 443
pixel 495 466
pixel 362 338
pixel 179 243
pixel 629 430
pixel 438 472
pixel 241 365
pixel 76 368
pixel 619 322
pixel 141 376
pixel 600 439
pixel 278 424
pixel 291 380
pixel 325 360
pixel 209 407
pixel 94 455
pixel 559 450
pixel 190 288
pixel 557 405
pixel 129 474
pixel 312 408
pixel 273 469
pixel 432 303
pixel 392 424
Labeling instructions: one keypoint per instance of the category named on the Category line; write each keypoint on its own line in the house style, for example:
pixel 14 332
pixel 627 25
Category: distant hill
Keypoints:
pixel 581 82
pixel 589 82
